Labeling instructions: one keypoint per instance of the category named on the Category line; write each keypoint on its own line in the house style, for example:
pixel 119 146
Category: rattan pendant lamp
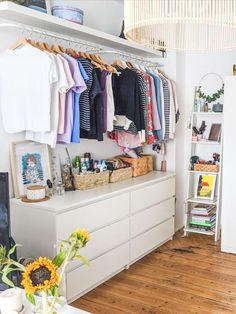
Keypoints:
pixel 182 25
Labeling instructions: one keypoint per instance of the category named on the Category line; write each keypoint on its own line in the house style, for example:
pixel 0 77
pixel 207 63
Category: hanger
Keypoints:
pixel 32 42
pixel 70 51
pixel 40 45
pixel 57 49
pixel 119 63
pixel 21 42
pixel 47 47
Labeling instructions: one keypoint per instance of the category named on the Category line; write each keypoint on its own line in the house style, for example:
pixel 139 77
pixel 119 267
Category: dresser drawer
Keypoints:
pixel 104 240
pixel 151 239
pixel 152 216
pixel 153 194
pixel 92 216
pixel 86 278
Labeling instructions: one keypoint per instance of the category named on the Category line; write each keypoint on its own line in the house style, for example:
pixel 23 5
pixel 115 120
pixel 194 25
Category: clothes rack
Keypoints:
pixel 90 47
pixel 46 34
pixel 129 56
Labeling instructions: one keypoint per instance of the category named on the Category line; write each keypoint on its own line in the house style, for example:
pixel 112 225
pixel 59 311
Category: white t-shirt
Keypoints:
pixel 110 104
pixel 61 86
pixel 26 75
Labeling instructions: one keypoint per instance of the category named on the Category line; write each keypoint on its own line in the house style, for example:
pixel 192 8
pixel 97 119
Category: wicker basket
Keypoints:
pixel 149 162
pixel 91 180
pixel 121 174
pixel 140 166
pixel 206 168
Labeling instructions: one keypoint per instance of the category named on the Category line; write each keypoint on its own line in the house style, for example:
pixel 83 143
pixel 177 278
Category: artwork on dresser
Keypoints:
pixel 31 165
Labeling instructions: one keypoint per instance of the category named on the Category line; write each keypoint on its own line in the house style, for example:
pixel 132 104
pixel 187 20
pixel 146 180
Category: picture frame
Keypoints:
pixel 215 132
pixel 205 186
pixel 30 164
pixel 38 5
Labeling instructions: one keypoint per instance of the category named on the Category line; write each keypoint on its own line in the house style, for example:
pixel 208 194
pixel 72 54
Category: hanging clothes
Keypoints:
pixel 75 136
pixel 83 98
pixel 26 78
pixel 62 101
pixel 78 88
pixel 110 104
pixel 61 86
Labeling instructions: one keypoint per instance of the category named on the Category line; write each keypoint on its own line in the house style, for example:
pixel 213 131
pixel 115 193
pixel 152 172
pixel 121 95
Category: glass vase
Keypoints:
pixel 60 306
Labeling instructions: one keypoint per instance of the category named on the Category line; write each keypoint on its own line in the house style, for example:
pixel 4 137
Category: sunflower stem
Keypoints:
pixel 65 263
pixel 44 302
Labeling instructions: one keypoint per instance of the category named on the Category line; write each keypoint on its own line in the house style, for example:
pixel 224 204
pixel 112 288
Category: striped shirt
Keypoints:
pixel 166 92
pixel 84 101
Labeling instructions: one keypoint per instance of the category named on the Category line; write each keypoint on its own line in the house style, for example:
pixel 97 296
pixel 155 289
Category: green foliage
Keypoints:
pixel 213 97
pixel 59 259
pixel 54 291
pixel 83 259
pixel 30 298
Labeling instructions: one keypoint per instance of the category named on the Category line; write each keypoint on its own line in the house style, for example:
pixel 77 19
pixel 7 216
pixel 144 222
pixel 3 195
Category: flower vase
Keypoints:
pixel 59 307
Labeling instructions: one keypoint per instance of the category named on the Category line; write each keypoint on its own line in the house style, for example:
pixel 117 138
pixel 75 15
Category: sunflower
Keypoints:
pixel 40 275
pixel 82 235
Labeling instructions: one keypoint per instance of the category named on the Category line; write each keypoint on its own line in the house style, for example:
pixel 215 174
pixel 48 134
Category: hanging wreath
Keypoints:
pixel 213 97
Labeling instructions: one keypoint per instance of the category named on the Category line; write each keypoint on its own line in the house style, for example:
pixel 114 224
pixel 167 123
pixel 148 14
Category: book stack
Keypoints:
pixel 203 217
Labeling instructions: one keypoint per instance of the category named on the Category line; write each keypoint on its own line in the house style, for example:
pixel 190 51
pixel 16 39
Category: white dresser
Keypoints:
pixel 126 220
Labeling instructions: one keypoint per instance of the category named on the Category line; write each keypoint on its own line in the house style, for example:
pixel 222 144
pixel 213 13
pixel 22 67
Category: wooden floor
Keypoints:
pixel 186 275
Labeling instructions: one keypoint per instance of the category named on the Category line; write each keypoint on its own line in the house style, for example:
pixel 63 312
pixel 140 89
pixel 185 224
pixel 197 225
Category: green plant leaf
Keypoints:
pixel 30 298
pixel 83 259
pixel 54 291
pixel 12 250
pixel 5 279
pixel 59 259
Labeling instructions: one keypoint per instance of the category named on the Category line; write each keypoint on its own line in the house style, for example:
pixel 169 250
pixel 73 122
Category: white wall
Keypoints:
pixel 104 15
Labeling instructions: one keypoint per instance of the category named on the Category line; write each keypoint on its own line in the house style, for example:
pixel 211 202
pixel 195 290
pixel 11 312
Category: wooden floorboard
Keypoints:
pixel 184 276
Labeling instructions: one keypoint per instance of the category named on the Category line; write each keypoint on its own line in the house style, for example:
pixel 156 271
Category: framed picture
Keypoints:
pixel 31 165
pixel 205 186
pixel 215 132
pixel 39 5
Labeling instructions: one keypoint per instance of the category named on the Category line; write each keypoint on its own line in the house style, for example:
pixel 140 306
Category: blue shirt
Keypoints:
pixel 75 135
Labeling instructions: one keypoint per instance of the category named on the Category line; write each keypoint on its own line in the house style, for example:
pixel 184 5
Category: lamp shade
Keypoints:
pixel 184 25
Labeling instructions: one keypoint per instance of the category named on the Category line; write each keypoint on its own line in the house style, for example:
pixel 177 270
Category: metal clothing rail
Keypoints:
pixel 46 34
pixel 90 47
pixel 129 56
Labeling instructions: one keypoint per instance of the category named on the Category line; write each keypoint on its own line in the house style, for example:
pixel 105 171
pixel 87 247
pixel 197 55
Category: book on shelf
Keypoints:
pixel 201 211
pixel 202 224
pixel 204 206
pixel 203 219
pixel 200 228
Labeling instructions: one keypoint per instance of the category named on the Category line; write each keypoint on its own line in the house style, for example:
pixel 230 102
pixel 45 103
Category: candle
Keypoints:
pixel 11 301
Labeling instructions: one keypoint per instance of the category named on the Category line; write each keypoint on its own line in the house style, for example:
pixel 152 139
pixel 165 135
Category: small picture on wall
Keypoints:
pixel 31 165
pixel 205 186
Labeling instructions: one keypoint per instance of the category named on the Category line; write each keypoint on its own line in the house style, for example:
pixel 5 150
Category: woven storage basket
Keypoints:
pixel 121 174
pixel 139 165
pixel 91 180
pixel 149 162
pixel 206 168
